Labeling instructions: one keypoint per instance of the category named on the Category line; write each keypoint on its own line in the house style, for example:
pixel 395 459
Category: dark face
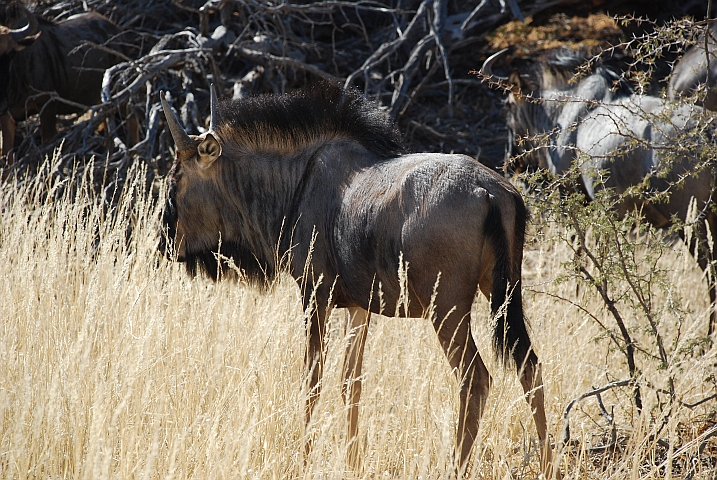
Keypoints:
pixel 512 164
pixel 523 152
pixel 7 52
pixel 11 42
pixel 192 221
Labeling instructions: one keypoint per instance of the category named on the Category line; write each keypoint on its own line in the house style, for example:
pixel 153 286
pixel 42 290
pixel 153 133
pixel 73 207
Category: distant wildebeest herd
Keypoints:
pixel 317 184
pixel 697 70
pixel 629 136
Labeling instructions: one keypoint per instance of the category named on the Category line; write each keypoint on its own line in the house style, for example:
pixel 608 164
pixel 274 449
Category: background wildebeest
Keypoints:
pixel 692 70
pixel 318 179
pixel 51 69
pixel 627 135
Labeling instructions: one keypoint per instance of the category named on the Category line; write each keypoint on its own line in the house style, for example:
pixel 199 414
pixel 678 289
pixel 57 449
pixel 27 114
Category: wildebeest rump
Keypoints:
pixel 697 67
pixel 627 135
pixel 276 176
pixel 41 61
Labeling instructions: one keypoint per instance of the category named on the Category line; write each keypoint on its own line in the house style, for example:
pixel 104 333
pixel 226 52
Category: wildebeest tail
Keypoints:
pixel 510 333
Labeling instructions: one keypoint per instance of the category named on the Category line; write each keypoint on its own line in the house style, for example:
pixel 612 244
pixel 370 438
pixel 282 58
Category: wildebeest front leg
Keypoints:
pixel 357 327
pixel 706 253
pixel 48 120
pixel 713 306
pixel 313 366
pixel 711 256
pixel 7 125
pixel 531 379
pixel 454 334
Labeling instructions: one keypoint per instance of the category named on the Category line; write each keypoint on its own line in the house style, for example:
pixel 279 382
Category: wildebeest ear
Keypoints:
pixel 209 150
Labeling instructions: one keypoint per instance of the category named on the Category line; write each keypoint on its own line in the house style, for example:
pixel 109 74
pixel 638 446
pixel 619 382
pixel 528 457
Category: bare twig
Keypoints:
pixel 565 437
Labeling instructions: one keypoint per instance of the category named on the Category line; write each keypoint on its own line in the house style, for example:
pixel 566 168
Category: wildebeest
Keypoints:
pixel 628 136
pixel 51 69
pixel 692 70
pixel 319 178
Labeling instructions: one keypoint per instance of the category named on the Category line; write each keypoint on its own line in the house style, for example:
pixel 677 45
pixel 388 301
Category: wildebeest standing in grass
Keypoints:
pixel 277 175
pixel 627 135
pixel 41 61
pixel 697 69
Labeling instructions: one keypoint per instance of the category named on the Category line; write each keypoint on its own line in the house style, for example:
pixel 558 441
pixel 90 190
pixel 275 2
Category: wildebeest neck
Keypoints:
pixel 249 206
pixel 4 80
pixel 252 199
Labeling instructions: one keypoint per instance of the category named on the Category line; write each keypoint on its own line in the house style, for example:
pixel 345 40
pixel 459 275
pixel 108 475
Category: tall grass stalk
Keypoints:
pixel 115 364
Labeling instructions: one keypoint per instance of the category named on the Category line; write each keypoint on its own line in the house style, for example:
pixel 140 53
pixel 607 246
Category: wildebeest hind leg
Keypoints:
pixel 357 327
pixel 532 381
pixel 713 303
pixel 131 124
pixel 454 334
pixel 313 366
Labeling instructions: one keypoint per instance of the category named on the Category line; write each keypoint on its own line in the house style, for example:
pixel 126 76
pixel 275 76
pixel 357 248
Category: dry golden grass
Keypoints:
pixel 115 364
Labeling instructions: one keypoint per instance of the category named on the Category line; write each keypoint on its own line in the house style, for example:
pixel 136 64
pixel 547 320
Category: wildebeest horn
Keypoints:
pixel 28 30
pixel 181 138
pixel 214 114
pixel 487 68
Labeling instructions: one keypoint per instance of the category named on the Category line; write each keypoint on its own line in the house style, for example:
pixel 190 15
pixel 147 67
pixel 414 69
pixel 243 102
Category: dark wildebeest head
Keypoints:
pixel 11 42
pixel 316 183
pixel 690 73
pixel 599 116
pixel 40 59
pixel 259 131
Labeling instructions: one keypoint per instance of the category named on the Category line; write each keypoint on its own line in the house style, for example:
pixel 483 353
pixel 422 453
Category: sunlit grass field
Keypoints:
pixel 115 364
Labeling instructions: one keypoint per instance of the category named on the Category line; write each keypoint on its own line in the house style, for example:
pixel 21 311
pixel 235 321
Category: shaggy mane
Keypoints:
pixel 298 119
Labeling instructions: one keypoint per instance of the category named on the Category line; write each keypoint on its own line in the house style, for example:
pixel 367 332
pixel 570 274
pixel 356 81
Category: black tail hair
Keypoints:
pixel 510 332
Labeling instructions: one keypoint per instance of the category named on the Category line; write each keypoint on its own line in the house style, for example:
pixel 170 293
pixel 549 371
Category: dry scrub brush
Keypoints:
pixel 620 272
pixel 402 53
